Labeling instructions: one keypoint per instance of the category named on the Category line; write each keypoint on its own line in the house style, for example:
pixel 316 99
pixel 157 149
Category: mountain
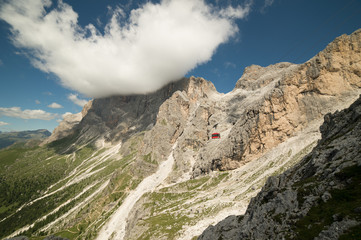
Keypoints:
pixel 319 198
pixel 9 138
pixel 147 167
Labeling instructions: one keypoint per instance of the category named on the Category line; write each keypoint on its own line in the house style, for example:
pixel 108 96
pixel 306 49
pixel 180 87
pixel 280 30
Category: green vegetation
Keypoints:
pixel 352 233
pixel 148 158
pixel 36 181
pixel 18 183
pixel 26 173
pixel 189 185
pixel 9 156
pixel 164 225
pixel 164 122
pixel 341 205
pixel 9 138
pixel 170 209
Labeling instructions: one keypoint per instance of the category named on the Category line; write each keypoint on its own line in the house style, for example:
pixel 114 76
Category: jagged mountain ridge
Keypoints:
pixel 279 101
pixel 267 123
pixel 319 198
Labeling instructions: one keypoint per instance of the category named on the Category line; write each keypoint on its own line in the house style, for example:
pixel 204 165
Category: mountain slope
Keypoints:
pixel 98 165
pixel 9 138
pixel 319 198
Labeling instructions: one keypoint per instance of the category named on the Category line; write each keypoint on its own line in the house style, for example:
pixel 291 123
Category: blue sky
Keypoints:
pixel 268 32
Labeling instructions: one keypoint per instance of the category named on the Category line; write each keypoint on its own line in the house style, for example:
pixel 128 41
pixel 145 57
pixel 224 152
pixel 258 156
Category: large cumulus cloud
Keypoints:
pixel 156 44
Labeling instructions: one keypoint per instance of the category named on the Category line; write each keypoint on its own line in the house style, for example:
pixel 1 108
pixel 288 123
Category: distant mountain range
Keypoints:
pixel 9 138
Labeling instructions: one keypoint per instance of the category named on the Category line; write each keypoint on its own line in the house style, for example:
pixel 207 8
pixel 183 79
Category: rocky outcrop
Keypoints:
pixel 65 128
pixel 317 199
pixel 119 117
pixel 183 118
pixel 270 105
pixel 68 125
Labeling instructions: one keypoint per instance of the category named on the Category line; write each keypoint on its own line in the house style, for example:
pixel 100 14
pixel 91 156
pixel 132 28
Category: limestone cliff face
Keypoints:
pixel 317 199
pixel 269 105
pixel 183 118
pixel 116 118
pixel 68 125
pixel 65 128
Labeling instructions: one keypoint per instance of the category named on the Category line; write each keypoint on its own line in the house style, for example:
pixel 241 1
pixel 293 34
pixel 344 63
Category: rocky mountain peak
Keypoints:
pixel 65 128
pixel 199 88
pixel 337 67
pixel 86 108
pixel 118 117
pixel 255 76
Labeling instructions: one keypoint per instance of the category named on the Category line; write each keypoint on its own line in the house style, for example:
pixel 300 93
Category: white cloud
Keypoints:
pixel 157 44
pixel 37 102
pixel 229 65
pixel 55 105
pixel 74 98
pixel 27 113
pixel 63 116
pixel 66 114
pixel 238 12
pixel 3 123
pixel 267 3
pixel 1 62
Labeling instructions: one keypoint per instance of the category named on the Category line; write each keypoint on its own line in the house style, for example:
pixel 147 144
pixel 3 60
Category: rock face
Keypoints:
pixel 269 105
pixel 117 118
pixel 68 125
pixel 317 199
pixel 65 128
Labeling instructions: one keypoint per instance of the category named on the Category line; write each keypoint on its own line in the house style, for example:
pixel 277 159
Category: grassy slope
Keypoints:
pixel 33 170
pixel 8 138
pixel 60 181
pixel 170 211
